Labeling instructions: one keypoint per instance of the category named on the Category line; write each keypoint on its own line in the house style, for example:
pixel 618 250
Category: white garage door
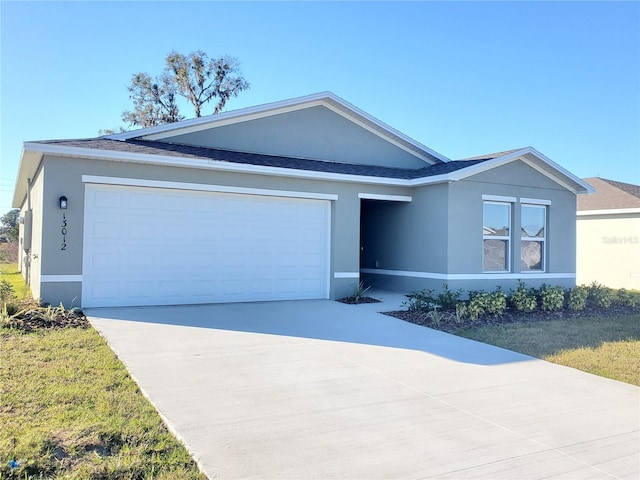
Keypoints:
pixel 155 246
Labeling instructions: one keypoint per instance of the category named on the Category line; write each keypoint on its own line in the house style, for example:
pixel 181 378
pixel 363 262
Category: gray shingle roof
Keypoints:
pixel 136 146
pixel 610 195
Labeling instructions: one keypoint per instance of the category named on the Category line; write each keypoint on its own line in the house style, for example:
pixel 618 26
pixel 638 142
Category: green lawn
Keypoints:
pixel 605 346
pixel 69 409
pixel 9 272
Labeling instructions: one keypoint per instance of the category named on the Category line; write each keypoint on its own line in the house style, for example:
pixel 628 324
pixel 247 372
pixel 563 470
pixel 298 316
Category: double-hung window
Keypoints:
pixel 533 237
pixel 496 230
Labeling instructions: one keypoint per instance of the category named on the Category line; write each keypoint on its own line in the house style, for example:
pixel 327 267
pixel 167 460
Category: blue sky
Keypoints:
pixel 463 78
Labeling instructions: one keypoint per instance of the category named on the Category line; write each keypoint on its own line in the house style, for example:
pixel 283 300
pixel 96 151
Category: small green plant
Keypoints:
pixel 577 297
pixel 422 300
pixel 625 298
pixel 448 299
pixel 599 295
pixel 551 298
pixel 477 302
pixel 461 313
pixel 359 292
pixel 523 299
pixel 435 316
pixel 6 291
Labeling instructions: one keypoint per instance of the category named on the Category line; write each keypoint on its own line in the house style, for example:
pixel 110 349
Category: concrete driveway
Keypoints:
pixel 323 390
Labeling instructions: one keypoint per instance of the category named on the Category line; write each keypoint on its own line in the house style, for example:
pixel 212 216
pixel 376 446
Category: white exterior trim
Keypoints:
pixel 346 275
pixel 467 276
pixel 138 182
pixel 535 201
pixel 390 198
pixel 60 278
pixel 499 198
pixel 612 211
pixel 34 150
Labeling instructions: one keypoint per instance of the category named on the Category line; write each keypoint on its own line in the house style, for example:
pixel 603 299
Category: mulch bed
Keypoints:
pixel 449 325
pixel 41 318
pixel 354 301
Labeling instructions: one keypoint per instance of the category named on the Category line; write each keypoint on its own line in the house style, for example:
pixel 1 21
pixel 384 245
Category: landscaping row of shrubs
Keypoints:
pixel 523 299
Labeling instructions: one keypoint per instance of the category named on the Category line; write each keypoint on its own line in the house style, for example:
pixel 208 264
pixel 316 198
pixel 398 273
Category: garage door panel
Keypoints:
pixel 151 246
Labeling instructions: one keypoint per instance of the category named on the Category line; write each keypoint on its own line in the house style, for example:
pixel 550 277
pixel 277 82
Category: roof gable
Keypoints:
pixel 319 127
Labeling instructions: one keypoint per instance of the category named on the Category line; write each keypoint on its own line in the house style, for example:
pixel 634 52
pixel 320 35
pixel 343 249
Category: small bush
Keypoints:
pixel 625 298
pixel 480 303
pixel 577 298
pixel 448 299
pixel 6 291
pixel 551 298
pixel 599 295
pixel 423 301
pixel 523 299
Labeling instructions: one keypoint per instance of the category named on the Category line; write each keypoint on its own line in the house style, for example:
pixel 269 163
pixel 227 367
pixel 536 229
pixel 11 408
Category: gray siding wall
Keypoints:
pixel 314 133
pixel 64 177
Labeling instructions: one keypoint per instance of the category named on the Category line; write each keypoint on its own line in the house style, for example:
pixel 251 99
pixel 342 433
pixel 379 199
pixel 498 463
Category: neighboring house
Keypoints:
pixel 608 238
pixel 297 199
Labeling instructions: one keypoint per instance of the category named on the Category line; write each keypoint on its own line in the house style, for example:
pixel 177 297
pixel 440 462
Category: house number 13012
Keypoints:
pixel 63 230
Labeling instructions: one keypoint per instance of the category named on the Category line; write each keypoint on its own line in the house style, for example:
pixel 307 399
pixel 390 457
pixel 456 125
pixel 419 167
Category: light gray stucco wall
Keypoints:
pixel 64 177
pixel 31 259
pixel 313 133
pixel 444 241
pixel 518 180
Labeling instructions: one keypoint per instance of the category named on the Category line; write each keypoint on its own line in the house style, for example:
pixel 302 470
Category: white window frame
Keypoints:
pixel 542 240
pixel 498 237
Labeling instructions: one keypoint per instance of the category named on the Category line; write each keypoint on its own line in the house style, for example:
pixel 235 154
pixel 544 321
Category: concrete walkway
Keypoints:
pixel 323 390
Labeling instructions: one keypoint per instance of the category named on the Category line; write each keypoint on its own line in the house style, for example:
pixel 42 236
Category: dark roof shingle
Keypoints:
pixel 147 147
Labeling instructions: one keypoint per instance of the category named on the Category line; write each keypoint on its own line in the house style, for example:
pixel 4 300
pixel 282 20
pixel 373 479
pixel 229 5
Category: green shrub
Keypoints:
pixel 448 299
pixel 6 291
pixel 625 298
pixel 480 303
pixel 577 297
pixel 599 295
pixel 422 300
pixel 551 298
pixel 523 299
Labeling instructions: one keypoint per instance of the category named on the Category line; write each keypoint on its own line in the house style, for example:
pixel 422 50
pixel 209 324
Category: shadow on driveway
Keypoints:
pixel 320 320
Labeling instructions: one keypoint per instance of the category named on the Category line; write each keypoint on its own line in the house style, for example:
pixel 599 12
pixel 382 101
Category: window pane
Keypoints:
pixel 496 219
pixel 495 255
pixel 532 221
pixel 532 255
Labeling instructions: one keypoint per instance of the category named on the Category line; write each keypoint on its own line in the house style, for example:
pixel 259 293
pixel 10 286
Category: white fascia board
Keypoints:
pixel 29 162
pixel 519 155
pixel 200 187
pixel 588 189
pixel 326 99
pixel 610 211
pixel 200 123
pixel 390 198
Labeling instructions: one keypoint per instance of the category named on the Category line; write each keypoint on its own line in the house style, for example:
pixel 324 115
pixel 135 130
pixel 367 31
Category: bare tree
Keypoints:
pixel 196 77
